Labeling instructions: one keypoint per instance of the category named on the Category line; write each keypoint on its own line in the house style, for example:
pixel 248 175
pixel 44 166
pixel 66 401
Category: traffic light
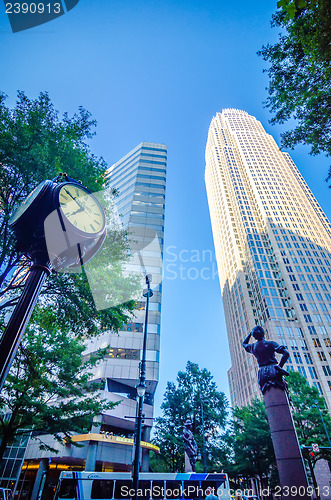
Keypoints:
pixel 312 454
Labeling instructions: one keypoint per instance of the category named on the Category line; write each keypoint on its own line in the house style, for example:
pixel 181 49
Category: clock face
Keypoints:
pixel 81 208
pixel 27 202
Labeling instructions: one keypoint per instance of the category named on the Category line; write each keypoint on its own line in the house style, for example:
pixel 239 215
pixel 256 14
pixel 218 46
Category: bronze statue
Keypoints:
pixel 290 465
pixel 270 372
pixel 190 446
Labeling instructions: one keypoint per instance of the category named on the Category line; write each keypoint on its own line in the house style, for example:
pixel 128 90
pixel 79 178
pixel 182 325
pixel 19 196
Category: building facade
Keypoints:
pixel 273 250
pixel 139 179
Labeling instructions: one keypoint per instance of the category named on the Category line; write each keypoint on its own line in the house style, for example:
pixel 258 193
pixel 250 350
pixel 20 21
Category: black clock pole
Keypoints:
pixel 15 328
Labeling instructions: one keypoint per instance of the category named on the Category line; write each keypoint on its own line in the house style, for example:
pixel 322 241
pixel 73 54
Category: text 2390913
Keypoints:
pixel 33 8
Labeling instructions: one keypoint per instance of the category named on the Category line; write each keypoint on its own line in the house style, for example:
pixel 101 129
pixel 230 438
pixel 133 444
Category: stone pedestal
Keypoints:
pixel 188 466
pixel 92 448
pixel 323 479
pixel 290 463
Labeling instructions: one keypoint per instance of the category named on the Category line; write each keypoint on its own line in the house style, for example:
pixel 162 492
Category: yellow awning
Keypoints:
pixel 107 438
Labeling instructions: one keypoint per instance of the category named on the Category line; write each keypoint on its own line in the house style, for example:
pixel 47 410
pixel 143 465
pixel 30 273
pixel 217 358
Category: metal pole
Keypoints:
pixel 142 385
pixel 326 431
pixel 136 462
pixel 16 326
pixel 313 477
pixel 203 438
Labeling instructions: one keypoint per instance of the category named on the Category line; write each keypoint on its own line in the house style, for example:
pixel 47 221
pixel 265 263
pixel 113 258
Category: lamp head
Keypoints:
pixel 141 390
pixel 147 292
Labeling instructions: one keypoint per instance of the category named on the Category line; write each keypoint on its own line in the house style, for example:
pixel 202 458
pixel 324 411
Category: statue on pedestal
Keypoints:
pixel 291 469
pixel 190 446
pixel 270 371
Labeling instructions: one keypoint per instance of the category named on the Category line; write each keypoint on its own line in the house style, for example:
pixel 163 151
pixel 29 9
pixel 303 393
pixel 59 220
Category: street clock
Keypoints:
pixel 61 223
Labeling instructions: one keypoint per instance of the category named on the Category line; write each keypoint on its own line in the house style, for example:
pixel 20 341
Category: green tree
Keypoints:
pixel 171 457
pixel 48 389
pixel 195 394
pixel 304 401
pixel 250 439
pixel 36 144
pixel 300 73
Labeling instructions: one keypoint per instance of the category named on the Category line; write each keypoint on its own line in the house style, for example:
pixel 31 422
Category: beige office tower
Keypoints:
pixel 273 250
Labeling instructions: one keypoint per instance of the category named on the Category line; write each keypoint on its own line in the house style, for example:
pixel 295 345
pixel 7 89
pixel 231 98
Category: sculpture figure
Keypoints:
pixel 270 371
pixel 291 468
pixel 190 446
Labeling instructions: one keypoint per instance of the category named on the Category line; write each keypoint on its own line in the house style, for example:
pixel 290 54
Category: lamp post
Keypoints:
pixel 203 436
pixel 141 389
pixel 316 405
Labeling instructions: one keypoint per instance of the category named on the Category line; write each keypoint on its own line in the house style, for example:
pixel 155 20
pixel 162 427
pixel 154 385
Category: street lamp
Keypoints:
pixel 141 390
pixel 316 405
pixel 203 435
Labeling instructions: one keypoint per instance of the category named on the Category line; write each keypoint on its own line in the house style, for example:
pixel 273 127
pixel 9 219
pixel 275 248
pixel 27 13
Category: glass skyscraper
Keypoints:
pixel 273 249
pixel 140 180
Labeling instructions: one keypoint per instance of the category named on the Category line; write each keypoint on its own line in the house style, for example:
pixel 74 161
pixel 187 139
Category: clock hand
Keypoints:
pixel 75 200
pixel 69 194
pixel 77 211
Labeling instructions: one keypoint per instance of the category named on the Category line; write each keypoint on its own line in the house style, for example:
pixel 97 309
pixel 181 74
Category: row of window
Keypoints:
pixel 303 260
pixel 317 318
pixel 118 353
pixel 321 329
pixel 297 246
pixel 134 327
pixel 132 188
pixel 313 307
pixel 277 313
pixel 148 216
pixel 134 354
pixel 132 178
pixel 310 278
pixel 133 159
pixel 318 296
pixel 157 489
pixel 131 170
pixel 308 270
pixel 289 331
pixel 306 288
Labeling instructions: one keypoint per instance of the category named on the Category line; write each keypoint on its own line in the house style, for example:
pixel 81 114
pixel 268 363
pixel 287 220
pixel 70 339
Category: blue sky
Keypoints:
pixel 152 70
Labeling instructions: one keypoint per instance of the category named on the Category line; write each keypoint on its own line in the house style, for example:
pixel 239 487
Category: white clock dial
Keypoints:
pixel 81 208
